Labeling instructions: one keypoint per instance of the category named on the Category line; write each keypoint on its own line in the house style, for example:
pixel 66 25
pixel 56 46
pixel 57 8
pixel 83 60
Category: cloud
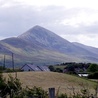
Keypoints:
pixel 67 3
pixel 18 19
pixel 71 19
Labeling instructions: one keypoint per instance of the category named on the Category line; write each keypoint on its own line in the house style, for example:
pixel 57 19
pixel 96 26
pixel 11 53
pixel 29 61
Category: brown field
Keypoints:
pixel 46 80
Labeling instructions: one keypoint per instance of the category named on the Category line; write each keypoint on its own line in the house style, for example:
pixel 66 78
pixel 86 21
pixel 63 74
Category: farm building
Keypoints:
pixel 43 68
pixel 32 67
pixel 83 74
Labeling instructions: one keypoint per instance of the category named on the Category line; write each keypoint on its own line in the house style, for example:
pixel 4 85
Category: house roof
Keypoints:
pixel 36 68
pixel 32 66
pixel 43 68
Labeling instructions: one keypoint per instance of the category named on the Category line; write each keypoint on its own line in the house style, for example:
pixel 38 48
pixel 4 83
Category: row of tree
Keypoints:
pixel 74 68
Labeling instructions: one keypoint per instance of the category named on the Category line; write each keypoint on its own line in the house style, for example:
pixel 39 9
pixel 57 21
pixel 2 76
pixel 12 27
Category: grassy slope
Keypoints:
pixel 53 79
pixel 37 56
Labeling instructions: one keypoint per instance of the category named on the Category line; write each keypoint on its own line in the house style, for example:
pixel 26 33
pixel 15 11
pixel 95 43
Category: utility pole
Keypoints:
pixel 4 63
pixel 13 61
pixel 13 65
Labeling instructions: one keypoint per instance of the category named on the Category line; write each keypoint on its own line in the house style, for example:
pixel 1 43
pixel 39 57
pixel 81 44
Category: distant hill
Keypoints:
pixel 41 46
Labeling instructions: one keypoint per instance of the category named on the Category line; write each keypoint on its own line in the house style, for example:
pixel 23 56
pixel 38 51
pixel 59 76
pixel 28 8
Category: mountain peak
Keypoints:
pixel 42 36
pixel 37 26
pixel 37 31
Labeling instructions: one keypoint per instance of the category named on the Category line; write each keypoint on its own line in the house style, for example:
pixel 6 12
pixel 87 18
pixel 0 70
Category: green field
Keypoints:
pixel 65 83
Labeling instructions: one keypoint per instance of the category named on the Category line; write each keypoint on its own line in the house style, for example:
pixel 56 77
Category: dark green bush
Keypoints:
pixel 62 96
pixel 93 75
pixel 7 87
pixel 35 92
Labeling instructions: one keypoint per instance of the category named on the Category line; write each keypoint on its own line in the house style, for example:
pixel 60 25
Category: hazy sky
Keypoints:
pixel 74 20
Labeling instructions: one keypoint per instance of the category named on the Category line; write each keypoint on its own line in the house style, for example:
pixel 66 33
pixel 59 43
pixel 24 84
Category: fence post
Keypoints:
pixel 51 92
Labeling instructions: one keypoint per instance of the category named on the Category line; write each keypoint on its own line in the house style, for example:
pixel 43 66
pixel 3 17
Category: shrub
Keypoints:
pixel 62 96
pixel 93 76
pixel 7 87
pixel 35 92
pixel 93 68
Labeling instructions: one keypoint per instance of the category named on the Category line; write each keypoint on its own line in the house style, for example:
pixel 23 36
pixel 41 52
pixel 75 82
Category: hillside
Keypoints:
pixel 47 39
pixel 88 48
pixel 41 46
pixel 53 79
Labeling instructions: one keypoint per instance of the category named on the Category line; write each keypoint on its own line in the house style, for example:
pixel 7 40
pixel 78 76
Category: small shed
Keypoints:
pixel 30 67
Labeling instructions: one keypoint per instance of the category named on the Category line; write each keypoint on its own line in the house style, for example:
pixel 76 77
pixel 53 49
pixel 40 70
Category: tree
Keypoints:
pixel 51 68
pixel 93 75
pixel 93 68
pixel 58 70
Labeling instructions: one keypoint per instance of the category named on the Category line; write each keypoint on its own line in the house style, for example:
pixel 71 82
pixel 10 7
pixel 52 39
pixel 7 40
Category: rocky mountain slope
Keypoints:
pixel 41 46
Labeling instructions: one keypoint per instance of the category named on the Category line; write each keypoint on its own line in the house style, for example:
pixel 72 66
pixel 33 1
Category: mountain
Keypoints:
pixel 41 46
pixel 50 40
pixel 88 48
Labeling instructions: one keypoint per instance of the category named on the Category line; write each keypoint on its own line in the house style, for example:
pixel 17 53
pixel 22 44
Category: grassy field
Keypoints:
pixel 52 79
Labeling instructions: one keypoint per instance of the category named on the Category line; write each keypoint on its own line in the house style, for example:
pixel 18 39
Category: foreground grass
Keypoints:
pixel 65 83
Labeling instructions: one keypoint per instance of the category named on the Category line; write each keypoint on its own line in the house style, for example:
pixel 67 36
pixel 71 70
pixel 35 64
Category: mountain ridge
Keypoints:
pixel 40 45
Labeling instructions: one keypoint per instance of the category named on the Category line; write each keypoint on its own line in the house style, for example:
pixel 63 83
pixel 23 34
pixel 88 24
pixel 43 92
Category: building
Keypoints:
pixel 83 74
pixel 43 68
pixel 32 67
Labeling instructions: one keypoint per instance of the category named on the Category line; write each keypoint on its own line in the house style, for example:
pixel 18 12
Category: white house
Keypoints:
pixel 83 74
